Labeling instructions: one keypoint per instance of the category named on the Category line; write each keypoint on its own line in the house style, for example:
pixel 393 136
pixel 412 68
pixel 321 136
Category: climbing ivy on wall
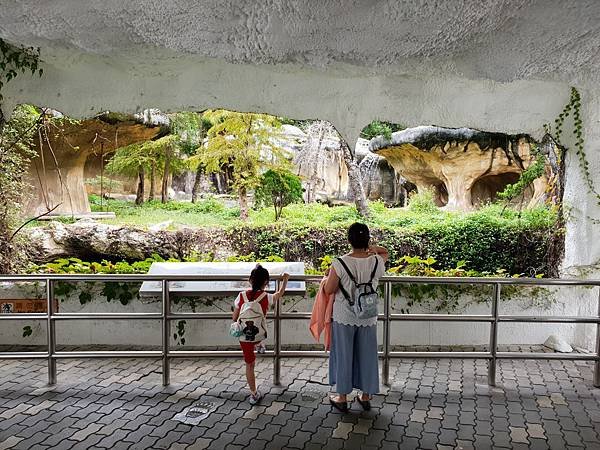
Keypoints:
pixel 574 108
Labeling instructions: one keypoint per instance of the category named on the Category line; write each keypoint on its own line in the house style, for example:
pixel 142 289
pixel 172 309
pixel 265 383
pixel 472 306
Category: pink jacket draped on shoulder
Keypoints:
pixel 322 312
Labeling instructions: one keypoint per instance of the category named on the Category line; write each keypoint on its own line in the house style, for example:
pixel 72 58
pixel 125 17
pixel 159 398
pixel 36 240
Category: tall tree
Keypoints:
pixel 324 146
pixel 246 142
pixel 278 188
pixel 136 160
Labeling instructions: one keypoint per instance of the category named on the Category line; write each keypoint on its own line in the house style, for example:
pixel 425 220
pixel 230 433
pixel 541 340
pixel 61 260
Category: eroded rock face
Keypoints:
pixel 464 167
pixel 57 174
pixel 90 240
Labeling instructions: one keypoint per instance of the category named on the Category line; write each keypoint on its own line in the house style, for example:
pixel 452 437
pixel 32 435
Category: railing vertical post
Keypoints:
pixel 492 363
pixel 51 332
pixel 166 333
pixel 277 347
pixel 597 364
pixel 387 300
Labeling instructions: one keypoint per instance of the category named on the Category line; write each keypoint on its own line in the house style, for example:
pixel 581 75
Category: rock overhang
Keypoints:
pixel 346 63
pixel 426 138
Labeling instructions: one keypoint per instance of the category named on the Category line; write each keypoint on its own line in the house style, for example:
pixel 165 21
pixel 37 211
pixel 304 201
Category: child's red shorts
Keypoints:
pixel 248 349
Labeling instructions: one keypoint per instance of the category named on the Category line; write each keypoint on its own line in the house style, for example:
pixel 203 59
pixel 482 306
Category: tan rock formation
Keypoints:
pixel 465 168
pixel 57 174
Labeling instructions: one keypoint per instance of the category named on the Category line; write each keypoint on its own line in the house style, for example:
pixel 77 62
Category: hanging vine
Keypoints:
pixel 574 108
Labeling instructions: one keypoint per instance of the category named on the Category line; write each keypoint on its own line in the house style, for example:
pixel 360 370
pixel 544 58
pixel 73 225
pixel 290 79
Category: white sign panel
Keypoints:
pixel 153 288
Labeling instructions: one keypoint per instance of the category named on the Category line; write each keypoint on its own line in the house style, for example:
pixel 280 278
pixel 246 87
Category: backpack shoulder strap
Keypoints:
pixel 257 299
pixel 374 269
pixel 260 297
pixel 344 292
pixel 347 270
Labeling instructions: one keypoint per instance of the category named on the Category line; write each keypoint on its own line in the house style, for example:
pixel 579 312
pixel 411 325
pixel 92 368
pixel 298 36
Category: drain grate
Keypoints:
pixel 196 413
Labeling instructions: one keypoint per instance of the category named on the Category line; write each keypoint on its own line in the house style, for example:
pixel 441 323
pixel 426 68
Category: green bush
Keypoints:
pixel 278 189
pixel 422 202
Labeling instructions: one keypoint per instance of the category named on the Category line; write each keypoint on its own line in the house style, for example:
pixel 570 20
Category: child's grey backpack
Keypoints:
pixel 364 298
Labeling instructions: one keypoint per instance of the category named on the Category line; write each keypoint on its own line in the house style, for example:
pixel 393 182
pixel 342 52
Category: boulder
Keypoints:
pixel 90 240
pixel 557 344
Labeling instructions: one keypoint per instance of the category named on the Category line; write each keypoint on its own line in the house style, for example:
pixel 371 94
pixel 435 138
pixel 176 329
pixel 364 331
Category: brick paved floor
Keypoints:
pixel 431 404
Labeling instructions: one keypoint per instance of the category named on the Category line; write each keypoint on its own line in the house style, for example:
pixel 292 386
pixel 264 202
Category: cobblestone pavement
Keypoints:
pixel 432 404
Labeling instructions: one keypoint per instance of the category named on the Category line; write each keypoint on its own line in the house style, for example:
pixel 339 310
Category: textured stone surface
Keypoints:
pixel 463 167
pixel 72 144
pixel 71 414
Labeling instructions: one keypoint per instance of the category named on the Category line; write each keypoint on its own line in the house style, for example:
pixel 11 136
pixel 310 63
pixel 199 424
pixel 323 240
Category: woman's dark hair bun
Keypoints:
pixel 358 235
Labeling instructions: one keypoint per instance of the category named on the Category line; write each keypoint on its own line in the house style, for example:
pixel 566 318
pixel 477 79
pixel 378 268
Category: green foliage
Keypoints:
pixel 127 160
pixel 17 59
pixel 16 152
pixel 278 189
pixel 446 298
pixel 189 129
pixel 178 336
pixel 528 176
pixel 380 128
pixel 77 266
pixel 422 202
pixel 243 142
pixel 574 107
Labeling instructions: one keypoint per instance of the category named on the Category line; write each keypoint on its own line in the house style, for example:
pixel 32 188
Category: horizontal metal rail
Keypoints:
pixel 309 278
pixel 387 317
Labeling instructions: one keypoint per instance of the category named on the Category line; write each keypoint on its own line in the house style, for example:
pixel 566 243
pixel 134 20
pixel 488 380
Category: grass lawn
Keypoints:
pixel 212 212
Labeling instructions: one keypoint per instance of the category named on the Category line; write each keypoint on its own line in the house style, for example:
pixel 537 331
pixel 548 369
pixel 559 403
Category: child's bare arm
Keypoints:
pixel 236 314
pixel 282 286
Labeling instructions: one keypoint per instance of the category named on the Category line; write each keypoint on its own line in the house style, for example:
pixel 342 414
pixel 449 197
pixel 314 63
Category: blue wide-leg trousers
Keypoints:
pixel 353 362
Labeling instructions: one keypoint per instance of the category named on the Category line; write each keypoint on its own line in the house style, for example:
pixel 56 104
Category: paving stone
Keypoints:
pixel 200 444
pixel 342 430
pixel 82 434
pixel 535 431
pixel 10 442
pixel 428 441
pixel 519 435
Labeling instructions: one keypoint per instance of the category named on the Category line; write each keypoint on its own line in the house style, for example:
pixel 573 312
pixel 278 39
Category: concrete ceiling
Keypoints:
pixel 346 61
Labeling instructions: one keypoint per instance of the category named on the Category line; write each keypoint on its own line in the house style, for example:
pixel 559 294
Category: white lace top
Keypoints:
pixel 361 269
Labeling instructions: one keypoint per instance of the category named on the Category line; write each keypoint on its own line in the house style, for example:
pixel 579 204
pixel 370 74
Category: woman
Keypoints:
pixel 353 353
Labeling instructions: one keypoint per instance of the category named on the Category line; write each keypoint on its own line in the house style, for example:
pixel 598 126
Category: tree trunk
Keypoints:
pixel 152 194
pixel 164 192
pixel 354 181
pixel 197 183
pixel 243 204
pixel 139 196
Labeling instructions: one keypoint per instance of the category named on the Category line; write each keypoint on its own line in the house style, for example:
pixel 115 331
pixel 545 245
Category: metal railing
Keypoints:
pixel 387 317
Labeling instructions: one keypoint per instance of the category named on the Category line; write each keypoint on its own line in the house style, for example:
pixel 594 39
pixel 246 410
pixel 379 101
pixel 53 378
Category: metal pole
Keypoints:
pixel 166 333
pixel 494 337
pixel 51 332
pixel 387 299
pixel 597 365
pixel 277 349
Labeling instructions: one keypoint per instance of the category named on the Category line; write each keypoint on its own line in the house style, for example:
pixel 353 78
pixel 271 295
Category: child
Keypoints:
pixel 259 279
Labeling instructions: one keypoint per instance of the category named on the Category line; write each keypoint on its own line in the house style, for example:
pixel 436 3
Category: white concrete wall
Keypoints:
pixel 562 302
pixel 503 66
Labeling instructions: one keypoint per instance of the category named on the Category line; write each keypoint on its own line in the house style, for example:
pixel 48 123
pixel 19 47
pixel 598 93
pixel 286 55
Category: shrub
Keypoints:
pixel 422 202
pixel 278 189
